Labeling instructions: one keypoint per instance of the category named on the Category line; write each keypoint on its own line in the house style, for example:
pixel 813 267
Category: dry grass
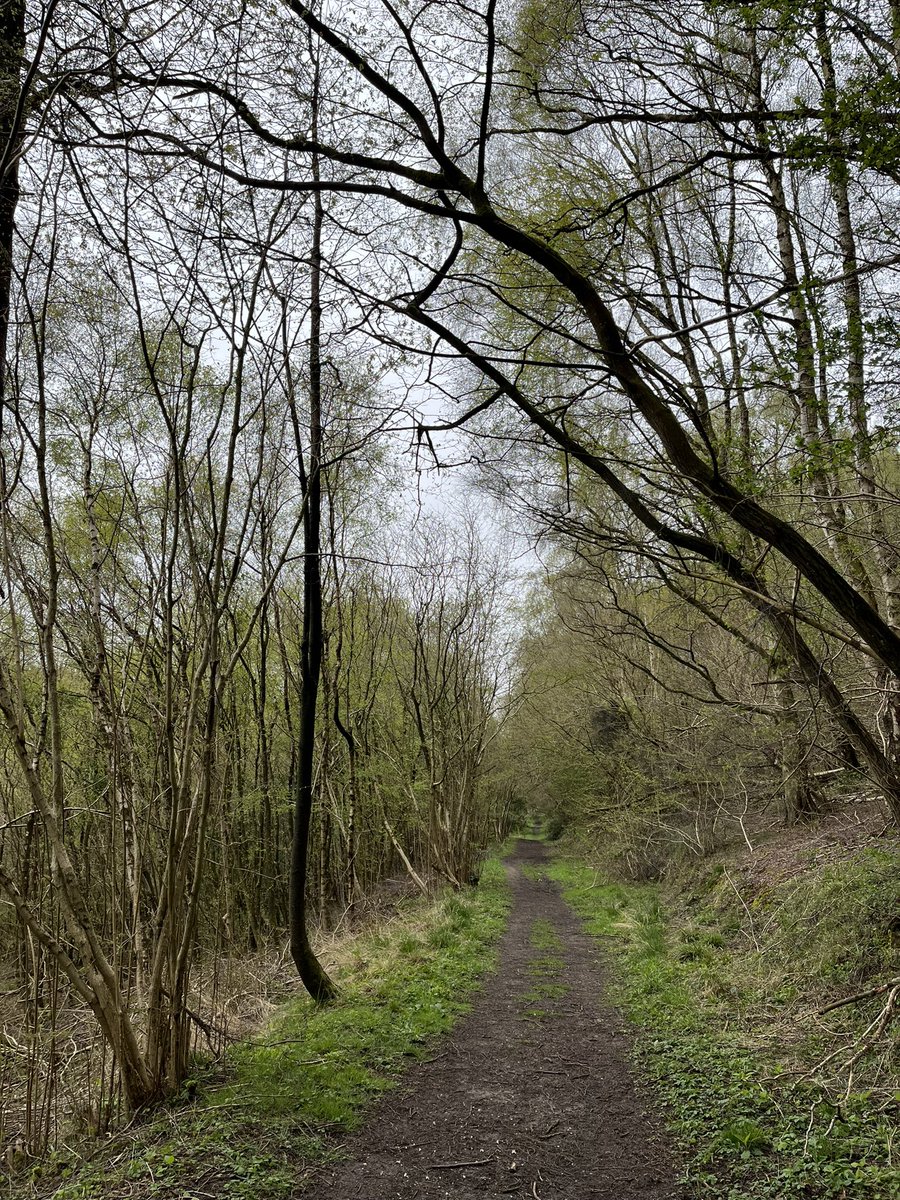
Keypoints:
pixel 57 1081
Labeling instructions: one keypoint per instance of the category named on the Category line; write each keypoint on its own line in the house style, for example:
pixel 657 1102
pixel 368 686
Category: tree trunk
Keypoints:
pixel 310 970
pixel 12 50
pixel 801 802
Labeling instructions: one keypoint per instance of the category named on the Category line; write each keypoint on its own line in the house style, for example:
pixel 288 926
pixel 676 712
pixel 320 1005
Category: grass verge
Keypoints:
pixel 280 1105
pixel 704 1039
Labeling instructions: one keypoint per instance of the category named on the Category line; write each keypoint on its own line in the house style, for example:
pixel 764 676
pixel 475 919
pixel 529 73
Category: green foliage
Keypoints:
pixel 744 1133
pixel 542 31
pixel 544 937
pixel 590 745
pixel 284 1098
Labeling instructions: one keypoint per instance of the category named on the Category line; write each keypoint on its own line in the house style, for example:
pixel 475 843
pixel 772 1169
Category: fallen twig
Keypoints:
pixel 876 991
pixel 475 1162
pixel 753 936
pixel 864 1044
pixel 877 1028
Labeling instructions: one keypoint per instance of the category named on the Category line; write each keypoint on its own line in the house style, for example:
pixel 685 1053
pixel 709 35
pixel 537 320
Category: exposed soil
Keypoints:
pixel 531 1095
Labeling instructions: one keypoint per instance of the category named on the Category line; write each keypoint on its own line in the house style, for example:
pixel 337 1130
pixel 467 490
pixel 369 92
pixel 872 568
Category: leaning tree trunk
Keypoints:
pixel 314 977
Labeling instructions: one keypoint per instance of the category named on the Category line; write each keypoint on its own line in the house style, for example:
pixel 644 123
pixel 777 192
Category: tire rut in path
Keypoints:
pixel 532 1089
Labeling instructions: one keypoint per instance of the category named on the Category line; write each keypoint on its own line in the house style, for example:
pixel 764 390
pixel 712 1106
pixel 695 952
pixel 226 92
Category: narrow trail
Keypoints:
pixel 530 1096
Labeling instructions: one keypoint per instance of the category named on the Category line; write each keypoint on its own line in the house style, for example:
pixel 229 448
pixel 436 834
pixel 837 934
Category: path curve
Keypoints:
pixel 531 1095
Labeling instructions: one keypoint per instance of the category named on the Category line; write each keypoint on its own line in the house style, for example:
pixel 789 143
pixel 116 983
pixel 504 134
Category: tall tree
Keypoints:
pixel 562 98
pixel 311 971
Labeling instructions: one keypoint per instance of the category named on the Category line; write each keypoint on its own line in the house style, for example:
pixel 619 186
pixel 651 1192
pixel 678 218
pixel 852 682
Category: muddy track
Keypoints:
pixel 530 1096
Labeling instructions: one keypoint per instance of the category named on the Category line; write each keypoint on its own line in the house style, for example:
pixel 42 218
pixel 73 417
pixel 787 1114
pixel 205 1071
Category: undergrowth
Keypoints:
pixel 279 1105
pixel 724 1033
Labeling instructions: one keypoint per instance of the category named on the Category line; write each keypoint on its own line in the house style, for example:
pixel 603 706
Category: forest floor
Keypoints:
pixel 531 1095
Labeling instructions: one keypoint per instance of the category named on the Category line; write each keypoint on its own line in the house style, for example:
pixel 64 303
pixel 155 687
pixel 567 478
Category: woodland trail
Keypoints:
pixel 530 1096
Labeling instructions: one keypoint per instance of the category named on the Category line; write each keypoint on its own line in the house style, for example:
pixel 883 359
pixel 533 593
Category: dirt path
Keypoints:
pixel 530 1096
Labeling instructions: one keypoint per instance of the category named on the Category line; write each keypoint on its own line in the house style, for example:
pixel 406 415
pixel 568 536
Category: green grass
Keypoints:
pixel 543 936
pixel 545 969
pixel 289 1096
pixel 704 1036
pixel 814 915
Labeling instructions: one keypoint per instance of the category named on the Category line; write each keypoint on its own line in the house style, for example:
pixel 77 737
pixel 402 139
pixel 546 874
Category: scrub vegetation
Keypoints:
pixel 768 1097
pixel 255 1123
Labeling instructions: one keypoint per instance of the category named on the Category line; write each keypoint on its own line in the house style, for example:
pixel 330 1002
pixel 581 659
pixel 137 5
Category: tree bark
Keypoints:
pixel 12 51
pixel 312 973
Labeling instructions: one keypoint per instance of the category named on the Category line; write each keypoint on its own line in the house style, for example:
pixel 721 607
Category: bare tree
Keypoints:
pixel 447 161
